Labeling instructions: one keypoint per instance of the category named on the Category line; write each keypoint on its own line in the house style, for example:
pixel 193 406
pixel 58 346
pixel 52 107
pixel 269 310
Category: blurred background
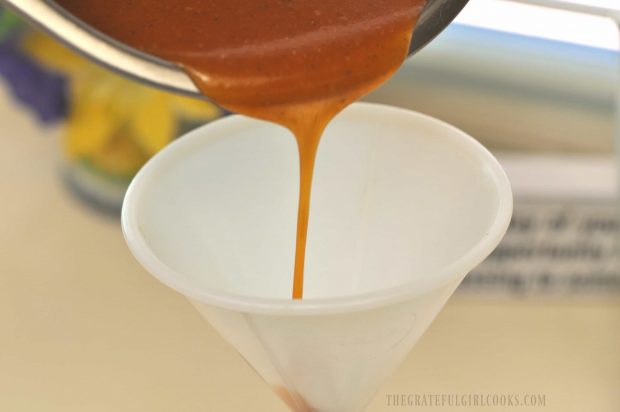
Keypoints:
pixel 83 327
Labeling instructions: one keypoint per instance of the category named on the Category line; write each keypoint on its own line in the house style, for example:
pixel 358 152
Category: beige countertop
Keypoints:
pixel 84 328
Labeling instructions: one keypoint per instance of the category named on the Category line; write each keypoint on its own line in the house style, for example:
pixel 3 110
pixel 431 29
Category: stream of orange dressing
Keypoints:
pixel 293 62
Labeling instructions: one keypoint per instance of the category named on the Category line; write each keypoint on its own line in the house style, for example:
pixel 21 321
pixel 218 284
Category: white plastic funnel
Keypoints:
pixel 403 207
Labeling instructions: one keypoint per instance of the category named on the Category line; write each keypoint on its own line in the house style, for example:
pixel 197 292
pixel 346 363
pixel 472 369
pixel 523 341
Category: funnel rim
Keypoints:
pixel 316 306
